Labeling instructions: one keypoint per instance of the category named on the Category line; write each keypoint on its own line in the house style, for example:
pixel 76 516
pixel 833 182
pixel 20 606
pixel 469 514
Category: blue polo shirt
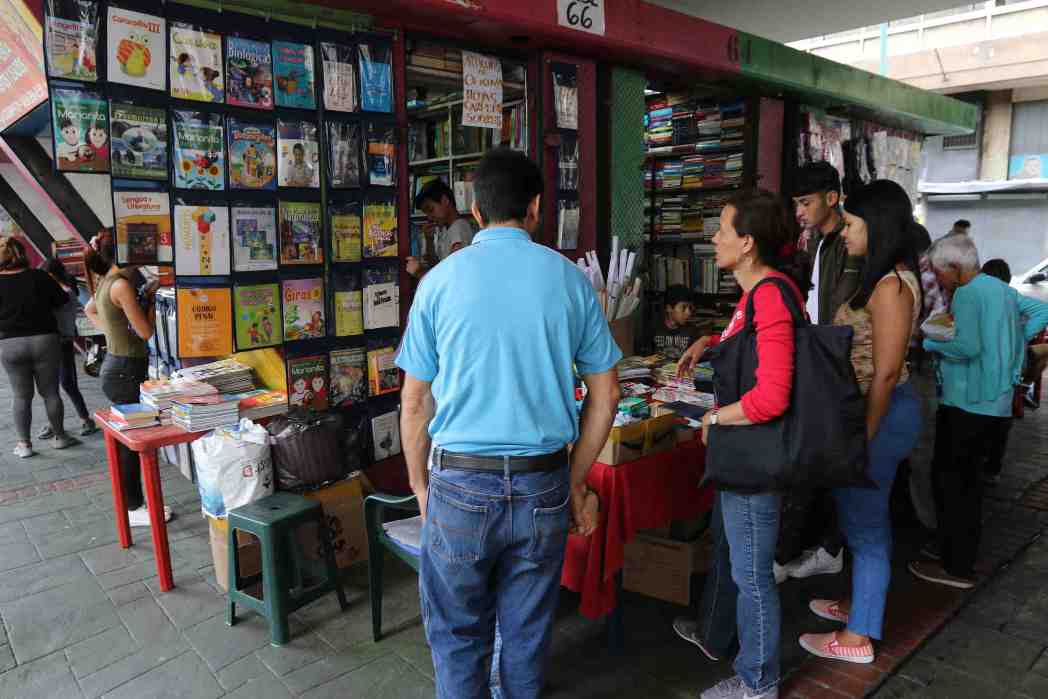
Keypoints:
pixel 497 328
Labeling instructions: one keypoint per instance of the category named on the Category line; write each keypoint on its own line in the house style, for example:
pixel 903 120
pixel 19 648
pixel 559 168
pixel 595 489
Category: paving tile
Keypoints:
pixel 46 524
pixel 188 605
pixel 410 644
pixel 52 502
pixel 184 677
pixel 237 674
pixel 261 689
pixel 331 667
pixel 46 677
pixel 104 559
pixel 301 651
pixel 386 677
pixel 128 593
pixel 135 665
pixel 93 654
pixel 147 622
pixel 136 572
pixel 1041 666
pixel 985 653
pixel 7 658
pixel 74 539
pixel 32 579
pixel 1031 620
pixel 1033 686
pixel 17 554
pixel 220 645
pixel 12 532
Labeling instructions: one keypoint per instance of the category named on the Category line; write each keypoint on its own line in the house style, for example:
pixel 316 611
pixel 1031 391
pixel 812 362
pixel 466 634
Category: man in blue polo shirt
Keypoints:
pixel 495 335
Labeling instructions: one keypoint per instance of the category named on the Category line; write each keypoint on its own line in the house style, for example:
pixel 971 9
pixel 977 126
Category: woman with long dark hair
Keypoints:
pixel 878 225
pixel 756 241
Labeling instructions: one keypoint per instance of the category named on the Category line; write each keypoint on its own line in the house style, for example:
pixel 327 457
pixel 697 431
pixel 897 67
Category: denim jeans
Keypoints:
pixel 492 550
pixel 741 599
pixel 121 378
pixel 865 513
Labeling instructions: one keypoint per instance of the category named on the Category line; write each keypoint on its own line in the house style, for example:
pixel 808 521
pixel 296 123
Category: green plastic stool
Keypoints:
pixel 274 520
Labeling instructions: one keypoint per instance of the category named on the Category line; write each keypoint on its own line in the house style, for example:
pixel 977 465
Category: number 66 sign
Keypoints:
pixel 584 15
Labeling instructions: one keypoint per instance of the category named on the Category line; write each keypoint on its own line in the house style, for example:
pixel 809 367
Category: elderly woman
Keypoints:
pixel 979 369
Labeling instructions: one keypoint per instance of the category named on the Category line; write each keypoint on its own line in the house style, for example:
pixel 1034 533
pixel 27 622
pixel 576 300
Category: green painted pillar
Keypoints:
pixel 627 156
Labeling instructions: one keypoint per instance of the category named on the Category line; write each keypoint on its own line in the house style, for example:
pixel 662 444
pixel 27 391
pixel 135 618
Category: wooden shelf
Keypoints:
pixel 419 112
pixel 705 151
pixel 446 77
pixel 448 159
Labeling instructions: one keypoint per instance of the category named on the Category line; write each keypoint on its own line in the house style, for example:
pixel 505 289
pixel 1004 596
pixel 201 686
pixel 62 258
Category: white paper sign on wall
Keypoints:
pixel 584 15
pixel 481 90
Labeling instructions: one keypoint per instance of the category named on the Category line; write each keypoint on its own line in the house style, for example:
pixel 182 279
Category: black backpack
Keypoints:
pixel 820 441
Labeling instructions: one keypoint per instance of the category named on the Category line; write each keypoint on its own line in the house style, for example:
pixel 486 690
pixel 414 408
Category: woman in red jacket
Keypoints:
pixel 755 242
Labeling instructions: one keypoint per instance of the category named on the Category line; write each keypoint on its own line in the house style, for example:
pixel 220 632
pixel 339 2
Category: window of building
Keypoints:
pixel 1028 155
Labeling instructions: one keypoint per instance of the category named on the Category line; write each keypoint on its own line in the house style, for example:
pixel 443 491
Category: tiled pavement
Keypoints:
pixel 81 617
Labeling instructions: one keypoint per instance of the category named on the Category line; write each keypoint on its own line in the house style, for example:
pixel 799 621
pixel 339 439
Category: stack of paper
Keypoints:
pixel 204 413
pixel 226 375
pixel 159 393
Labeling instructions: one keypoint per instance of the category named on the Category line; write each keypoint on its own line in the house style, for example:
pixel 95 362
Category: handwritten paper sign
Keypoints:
pixel 584 15
pixel 481 91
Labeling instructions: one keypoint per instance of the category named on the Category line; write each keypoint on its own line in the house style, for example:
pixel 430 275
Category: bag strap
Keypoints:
pixel 788 297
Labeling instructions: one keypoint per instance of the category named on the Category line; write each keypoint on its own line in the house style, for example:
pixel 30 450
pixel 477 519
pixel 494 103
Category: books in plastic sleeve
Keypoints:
pixel 343 141
pixel 257 319
pixel 385 434
pixel 349 313
pixel 195 67
pixel 252 155
pixel 249 73
pixel 199 153
pixel 262 403
pixel 381 298
pixel 293 75
pixel 303 308
pixel 71 39
pixel 137 49
pixel 205 322
pixel 340 80
pixel 300 234
pixel 348 382
pixel 80 124
pixel 307 382
pixel 376 78
pixel 143 228
pixel 381 155
pixel 254 232
pixel 380 229
pixel 383 374
pixel 346 232
pixel 133 412
pixel 138 148
pixel 298 154
pixel 201 240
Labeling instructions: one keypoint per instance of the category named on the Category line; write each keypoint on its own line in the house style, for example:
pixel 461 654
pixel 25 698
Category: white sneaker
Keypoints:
pixel 816 562
pixel 140 517
pixel 782 573
pixel 23 451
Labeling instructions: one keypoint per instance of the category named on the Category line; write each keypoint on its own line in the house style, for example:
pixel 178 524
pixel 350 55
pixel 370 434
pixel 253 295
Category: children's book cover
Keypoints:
pixel 340 80
pixel 383 374
pixel 80 121
pixel 198 150
pixel 252 155
pixel 257 316
pixel 205 322
pixel 201 240
pixel 349 377
pixel 303 308
pixel 254 231
pixel 382 155
pixel 346 227
pixel 385 434
pixel 376 78
pixel 293 75
pixel 139 141
pixel 300 234
pixel 71 38
pixel 343 140
pixel 307 381
pixel 137 47
pixel 298 153
pixel 143 228
pixel 196 64
pixel 249 73
pixel 380 229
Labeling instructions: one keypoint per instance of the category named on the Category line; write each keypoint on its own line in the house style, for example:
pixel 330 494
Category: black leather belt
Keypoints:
pixel 497 464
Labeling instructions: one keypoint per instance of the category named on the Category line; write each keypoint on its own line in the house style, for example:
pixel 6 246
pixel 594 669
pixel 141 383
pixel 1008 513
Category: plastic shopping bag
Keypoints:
pixel 233 466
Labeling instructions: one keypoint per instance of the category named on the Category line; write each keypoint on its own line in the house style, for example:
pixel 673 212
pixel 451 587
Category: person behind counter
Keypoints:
pixel 673 334
pixel 451 230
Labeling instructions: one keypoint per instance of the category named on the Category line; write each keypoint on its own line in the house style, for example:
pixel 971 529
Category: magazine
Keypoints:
pixel 383 374
pixel 340 80
pixel 139 141
pixel 143 228
pixel 299 154
pixel 343 140
pixel 198 150
pixel 257 316
pixel 300 234
pixel 71 39
pixel 254 231
pixel 381 155
pixel 205 322
pixel 252 155
pixel 307 381
pixel 376 78
pixel 249 73
pixel 137 48
pixel 303 308
pixel 201 240
pixel 381 298
pixel 195 68
pixel 80 122
pixel 293 71
pixel 385 434
pixel 346 225
pixel 349 313
pixel 380 229
pixel 349 377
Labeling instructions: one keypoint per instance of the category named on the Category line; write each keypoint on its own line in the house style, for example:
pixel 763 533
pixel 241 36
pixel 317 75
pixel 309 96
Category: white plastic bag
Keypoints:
pixel 233 466
pixel 939 327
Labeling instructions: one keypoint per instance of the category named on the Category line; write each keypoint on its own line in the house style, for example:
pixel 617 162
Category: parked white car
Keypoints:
pixel 1034 283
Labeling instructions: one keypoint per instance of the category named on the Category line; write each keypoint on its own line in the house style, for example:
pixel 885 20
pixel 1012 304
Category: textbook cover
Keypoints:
pixel 307 381
pixel 383 374
pixel 139 141
pixel 143 228
pixel 340 80
pixel 195 67
pixel 257 316
pixel 376 78
pixel 381 298
pixel 80 122
pixel 385 434
pixel 252 155
pixel 380 229
pixel 249 73
pixel 201 240
pixel 198 150
pixel 71 38
pixel 343 140
pixel 205 322
pixel 349 377
pixel 299 154
pixel 381 155
pixel 293 75
pixel 254 231
pixel 300 234
pixel 346 226
pixel 137 49
pixel 303 308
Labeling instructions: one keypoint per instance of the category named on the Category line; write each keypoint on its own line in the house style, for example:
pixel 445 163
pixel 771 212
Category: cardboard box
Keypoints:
pixel 660 434
pixel 659 568
pixel 624 444
pixel 343 505
pixel 249 552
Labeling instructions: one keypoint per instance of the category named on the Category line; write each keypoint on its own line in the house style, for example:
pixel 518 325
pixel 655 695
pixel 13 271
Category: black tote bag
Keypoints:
pixel 820 441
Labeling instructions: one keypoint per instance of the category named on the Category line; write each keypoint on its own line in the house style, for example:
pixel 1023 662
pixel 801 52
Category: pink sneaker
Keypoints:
pixel 828 609
pixel 825 645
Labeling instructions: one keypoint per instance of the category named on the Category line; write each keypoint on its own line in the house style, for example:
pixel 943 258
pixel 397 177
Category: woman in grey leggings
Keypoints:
pixel 29 343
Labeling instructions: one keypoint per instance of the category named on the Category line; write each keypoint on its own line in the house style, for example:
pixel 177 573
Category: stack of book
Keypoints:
pixel 132 416
pixel 226 375
pixel 260 403
pixel 203 413
pixel 160 392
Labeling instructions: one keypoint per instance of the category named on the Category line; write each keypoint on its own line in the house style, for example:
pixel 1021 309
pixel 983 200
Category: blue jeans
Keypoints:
pixel 492 549
pixel 741 598
pixel 865 513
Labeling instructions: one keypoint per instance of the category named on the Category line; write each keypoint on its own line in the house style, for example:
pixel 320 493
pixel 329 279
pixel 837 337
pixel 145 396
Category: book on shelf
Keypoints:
pixel 201 240
pixel 383 374
pixel 381 298
pixel 260 403
pixel 349 377
pixel 303 309
pixel 385 434
pixel 307 382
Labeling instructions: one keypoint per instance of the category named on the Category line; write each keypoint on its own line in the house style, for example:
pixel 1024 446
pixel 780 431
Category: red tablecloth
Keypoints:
pixel 643 494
